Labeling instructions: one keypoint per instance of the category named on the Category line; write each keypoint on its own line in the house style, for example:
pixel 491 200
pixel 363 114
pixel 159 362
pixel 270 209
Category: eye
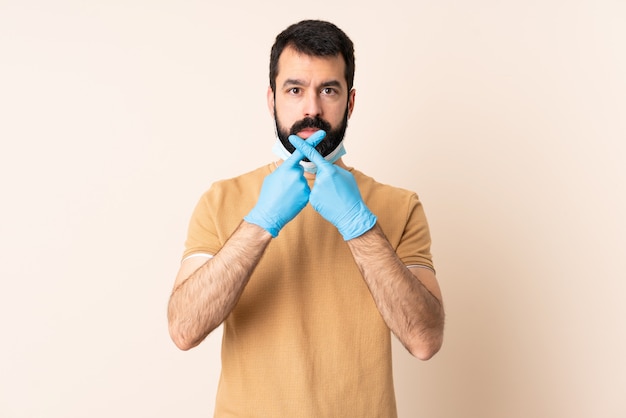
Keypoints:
pixel 329 91
pixel 294 90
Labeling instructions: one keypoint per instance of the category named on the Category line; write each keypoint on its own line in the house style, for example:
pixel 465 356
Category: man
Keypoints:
pixel 308 263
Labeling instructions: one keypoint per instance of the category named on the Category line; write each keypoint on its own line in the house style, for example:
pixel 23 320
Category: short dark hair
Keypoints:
pixel 315 38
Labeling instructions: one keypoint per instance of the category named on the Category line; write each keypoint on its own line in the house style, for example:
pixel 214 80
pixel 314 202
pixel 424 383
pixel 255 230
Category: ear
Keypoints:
pixel 351 98
pixel 270 101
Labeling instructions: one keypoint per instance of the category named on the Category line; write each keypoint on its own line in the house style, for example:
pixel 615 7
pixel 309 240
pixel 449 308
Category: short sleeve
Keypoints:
pixel 415 242
pixel 202 234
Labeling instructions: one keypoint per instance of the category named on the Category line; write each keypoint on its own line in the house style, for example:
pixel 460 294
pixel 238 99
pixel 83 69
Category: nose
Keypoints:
pixel 312 105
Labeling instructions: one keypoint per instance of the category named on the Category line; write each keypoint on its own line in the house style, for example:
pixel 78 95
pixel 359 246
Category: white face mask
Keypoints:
pixel 280 151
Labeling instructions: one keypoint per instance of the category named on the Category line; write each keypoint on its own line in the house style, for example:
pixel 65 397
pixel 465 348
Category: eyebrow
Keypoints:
pixel 298 82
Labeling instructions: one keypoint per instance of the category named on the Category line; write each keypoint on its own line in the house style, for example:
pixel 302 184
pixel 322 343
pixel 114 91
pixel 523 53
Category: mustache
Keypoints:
pixel 316 122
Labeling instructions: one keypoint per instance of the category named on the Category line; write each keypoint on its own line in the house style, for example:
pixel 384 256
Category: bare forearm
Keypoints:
pixel 202 302
pixel 410 310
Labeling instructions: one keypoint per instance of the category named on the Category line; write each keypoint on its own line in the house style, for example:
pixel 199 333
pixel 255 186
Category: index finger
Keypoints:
pixel 311 141
pixel 309 151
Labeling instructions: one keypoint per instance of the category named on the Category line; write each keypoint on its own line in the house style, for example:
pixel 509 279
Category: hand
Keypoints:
pixel 335 195
pixel 284 193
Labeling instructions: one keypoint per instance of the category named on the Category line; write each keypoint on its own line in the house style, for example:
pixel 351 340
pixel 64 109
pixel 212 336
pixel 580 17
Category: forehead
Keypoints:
pixel 296 65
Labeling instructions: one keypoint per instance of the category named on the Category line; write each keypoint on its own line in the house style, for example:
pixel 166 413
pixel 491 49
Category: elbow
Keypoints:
pixel 186 335
pixel 182 337
pixel 427 341
pixel 424 347
pixel 424 351
pixel 180 340
pixel 177 332
pixel 183 331
pixel 182 343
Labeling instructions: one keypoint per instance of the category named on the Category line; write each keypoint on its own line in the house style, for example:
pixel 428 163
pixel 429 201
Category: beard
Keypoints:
pixel 329 143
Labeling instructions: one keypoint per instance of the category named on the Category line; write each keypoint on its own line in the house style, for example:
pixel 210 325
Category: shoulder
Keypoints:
pixel 399 211
pixel 251 178
pixel 371 188
pixel 221 208
pixel 234 194
pixel 242 184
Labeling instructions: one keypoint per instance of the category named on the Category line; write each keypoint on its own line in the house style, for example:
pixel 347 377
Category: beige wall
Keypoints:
pixel 508 118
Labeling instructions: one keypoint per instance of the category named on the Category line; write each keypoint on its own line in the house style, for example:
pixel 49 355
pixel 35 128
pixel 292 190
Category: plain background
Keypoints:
pixel 507 118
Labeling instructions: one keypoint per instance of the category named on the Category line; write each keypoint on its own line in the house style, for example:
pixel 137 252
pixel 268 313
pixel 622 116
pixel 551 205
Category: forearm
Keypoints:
pixel 202 302
pixel 409 309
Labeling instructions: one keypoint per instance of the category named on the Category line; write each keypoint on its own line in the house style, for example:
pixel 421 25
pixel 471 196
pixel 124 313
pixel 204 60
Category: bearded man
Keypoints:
pixel 309 264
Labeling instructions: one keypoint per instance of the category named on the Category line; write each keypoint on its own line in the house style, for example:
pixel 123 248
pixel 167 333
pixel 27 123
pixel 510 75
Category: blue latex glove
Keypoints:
pixel 284 193
pixel 336 196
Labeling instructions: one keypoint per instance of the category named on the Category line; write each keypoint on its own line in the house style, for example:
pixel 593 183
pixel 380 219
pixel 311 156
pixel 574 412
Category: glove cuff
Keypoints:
pixel 359 220
pixel 255 218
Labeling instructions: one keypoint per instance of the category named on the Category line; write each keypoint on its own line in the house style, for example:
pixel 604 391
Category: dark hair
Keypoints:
pixel 315 38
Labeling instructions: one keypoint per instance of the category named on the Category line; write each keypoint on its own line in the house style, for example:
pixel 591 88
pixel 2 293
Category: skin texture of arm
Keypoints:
pixel 206 291
pixel 409 300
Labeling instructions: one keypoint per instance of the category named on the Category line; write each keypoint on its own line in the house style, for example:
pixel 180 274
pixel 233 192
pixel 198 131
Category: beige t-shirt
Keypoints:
pixel 306 339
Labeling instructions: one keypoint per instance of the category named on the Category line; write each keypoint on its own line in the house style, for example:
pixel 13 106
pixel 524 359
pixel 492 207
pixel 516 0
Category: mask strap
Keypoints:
pixel 281 152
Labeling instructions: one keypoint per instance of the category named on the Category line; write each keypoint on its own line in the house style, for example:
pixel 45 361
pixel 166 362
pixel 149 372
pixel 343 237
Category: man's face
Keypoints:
pixel 311 94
